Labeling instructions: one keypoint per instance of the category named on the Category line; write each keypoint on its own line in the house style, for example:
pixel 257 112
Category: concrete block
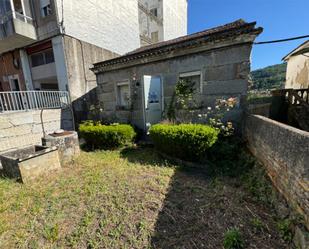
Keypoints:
pixel 109 106
pixel 16 131
pixel 223 72
pixel 225 87
pixel 67 144
pixel 20 118
pixel 4 122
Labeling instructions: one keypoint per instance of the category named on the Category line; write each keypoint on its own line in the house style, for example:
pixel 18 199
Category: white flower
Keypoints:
pixel 209 108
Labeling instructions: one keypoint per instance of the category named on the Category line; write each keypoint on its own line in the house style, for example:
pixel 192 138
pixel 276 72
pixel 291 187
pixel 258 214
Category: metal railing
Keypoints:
pixel 15 15
pixel 33 100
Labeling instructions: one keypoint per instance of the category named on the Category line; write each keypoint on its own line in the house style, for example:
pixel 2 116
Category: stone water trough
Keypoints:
pixel 30 162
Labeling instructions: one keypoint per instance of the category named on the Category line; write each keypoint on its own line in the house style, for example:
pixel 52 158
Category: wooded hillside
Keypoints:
pixel 269 77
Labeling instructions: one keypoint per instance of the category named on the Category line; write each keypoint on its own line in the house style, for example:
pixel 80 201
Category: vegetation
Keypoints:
pixel 233 239
pixel 185 141
pixel 269 77
pixel 98 136
pixel 131 198
pixel 285 229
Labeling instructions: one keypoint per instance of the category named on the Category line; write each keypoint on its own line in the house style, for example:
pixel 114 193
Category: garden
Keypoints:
pixel 195 187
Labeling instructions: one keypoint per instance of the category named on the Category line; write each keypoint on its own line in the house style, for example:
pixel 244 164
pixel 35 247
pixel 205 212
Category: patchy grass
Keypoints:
pixel 131 199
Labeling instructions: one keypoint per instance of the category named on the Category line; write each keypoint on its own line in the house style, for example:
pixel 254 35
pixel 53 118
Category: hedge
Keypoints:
pixel 98 136
pixel 189 142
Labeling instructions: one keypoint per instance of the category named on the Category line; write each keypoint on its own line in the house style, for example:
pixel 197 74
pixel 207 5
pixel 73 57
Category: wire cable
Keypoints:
pixel 281 40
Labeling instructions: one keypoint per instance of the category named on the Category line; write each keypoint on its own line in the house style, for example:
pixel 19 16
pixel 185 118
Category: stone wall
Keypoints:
pixel 21 129
pixel 284 151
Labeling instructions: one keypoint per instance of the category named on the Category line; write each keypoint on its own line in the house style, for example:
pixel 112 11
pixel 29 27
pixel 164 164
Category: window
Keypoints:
pixel 49 56
pixel 155 37
pixel 49 87
pixel 154 11
pixel 45 8
pixel 18 6
pixel 194 77
pixel 14 82
pixel 123 95
pixel 42 58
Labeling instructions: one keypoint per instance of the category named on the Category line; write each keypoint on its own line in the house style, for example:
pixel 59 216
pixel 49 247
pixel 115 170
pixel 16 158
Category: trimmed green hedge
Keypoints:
pixel 189 142
pixel 98 136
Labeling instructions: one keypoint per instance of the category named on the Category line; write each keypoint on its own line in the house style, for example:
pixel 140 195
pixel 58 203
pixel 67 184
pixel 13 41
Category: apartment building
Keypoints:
pixel 50 44
pixel 162 20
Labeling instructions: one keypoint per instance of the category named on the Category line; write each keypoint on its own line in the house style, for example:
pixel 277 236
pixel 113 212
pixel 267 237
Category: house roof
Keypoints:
pixel 302 48
pixel 234 28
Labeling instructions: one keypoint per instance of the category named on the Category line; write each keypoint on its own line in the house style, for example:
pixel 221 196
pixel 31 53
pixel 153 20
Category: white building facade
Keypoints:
pixel 162 20
pixel 54 42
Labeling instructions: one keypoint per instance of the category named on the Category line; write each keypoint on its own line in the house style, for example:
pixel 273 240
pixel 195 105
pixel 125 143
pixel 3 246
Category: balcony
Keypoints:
pixel 16 27
pixel 20 101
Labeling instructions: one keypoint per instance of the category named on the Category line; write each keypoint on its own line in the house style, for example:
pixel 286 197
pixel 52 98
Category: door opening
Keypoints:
pixel 152 100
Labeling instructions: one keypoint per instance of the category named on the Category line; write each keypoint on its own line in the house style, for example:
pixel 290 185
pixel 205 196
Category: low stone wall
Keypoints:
pixel 21 129
pixel 284 151
pixel 260 109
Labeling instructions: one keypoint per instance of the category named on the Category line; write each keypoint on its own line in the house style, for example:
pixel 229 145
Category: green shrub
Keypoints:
pixel 233 239
pixel 285 229
pixel 185 141
pixel 98 136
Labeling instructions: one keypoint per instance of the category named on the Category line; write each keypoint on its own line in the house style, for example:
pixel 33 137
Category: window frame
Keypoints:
pixel 119 84
pixel 43 53
pixel 157 36
pixel 154 11
pixel 48 7
pixel 191 74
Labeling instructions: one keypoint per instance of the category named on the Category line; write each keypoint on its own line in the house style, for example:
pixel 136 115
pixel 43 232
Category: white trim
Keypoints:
pixel 123 83
pixel 189 74
pixel 193 73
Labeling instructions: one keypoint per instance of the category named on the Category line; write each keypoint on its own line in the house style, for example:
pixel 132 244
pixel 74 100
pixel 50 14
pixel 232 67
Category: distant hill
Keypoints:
pixel 268 77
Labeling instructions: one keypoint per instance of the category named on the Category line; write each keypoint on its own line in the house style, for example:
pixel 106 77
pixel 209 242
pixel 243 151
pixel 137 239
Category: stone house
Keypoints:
pixel 137 87
pixel 297 75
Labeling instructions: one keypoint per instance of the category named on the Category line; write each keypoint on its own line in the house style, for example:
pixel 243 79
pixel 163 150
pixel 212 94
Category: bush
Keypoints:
pixel 228 157
pixel 233 239
pixel 185 141
pixel 98 136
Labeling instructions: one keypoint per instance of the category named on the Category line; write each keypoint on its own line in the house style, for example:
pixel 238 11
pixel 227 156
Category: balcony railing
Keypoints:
pixel 294 96
pixel 15 15
pixel 33 100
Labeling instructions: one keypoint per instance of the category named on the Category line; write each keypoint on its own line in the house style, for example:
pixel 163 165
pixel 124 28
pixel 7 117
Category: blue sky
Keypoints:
pixel 279 18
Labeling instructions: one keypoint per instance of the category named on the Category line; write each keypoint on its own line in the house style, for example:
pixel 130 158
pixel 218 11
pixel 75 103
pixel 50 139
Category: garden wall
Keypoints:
pixel 20 129
pixel 284 151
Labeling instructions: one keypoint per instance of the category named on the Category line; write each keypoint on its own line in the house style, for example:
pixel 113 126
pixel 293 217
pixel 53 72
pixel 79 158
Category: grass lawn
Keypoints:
pixel 131 199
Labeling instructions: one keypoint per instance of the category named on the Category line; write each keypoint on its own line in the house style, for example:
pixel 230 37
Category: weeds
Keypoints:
pixel 258 225
pixel 285 229
pixel 51 232
pixel 233 239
